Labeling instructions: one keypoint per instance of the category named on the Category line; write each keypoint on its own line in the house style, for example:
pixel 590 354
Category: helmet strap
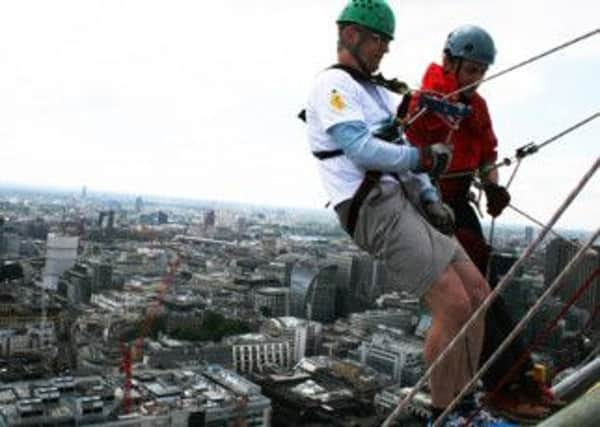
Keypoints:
pixel 355 51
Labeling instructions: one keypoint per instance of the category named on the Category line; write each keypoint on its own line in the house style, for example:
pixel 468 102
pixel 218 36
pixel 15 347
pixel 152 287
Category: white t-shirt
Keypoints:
pixel 337 98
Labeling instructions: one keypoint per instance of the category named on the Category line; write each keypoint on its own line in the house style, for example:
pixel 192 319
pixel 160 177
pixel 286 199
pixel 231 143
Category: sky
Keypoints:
pixel 198 99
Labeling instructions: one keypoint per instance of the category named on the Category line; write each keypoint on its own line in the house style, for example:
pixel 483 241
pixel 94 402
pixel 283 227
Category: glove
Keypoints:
pixel 497 198
pixel 434 159
pixel 441 216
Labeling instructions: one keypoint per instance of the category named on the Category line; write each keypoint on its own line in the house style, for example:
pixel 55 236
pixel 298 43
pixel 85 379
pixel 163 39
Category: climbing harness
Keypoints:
pixel 390 133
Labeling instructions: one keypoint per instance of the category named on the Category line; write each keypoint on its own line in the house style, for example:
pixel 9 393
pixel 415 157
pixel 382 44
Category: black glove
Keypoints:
pixel 441 216
pixel 434 159
pixel 497 198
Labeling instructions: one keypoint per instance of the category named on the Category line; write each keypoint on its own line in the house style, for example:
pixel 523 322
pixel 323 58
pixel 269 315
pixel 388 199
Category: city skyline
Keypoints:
pixel 139 98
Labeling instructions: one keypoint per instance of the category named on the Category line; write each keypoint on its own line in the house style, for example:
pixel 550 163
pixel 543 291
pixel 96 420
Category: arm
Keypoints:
pixel 368 152
pixel 497 196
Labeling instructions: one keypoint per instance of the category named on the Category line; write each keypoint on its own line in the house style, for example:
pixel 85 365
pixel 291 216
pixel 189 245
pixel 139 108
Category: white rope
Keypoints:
pixel 503 283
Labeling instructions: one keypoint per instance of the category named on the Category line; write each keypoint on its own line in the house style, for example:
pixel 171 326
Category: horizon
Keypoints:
pixel 232 204
pixel 137 98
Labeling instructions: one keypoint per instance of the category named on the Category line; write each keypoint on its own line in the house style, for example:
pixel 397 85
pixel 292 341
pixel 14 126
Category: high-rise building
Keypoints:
pixel 106 219
pixel 102 276
pixel 209 219
pixel 529 234
pixel 500 264
pixel 163 217
pixel 360 279
pixel 139 204
pixel 558 254
pixel 300 281
pixel 61 253
pixel 76 284
pixel 321 301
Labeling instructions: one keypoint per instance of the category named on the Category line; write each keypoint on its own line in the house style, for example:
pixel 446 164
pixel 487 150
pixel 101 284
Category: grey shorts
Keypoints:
pixel 390 228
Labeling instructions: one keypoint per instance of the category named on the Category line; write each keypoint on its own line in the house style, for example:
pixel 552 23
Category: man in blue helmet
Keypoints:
pixel 468 52
pixel 383 196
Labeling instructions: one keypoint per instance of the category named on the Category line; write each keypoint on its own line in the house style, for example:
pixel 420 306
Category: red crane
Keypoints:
pixel 131 352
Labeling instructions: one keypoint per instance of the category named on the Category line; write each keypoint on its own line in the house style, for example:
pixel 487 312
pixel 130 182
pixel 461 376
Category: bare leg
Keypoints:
pixel 450 308
pixel 477 289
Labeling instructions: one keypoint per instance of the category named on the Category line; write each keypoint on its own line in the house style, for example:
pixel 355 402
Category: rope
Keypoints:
pixel 535 221
pixel 542 336
pixel 528 61
pixel 528 251
pixel 524 151
pixel 522 323
pixel 532 148
pixel 509 69
pixel 488 270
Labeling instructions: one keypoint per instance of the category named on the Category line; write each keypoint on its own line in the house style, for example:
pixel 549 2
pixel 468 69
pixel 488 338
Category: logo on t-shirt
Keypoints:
pixel 336 101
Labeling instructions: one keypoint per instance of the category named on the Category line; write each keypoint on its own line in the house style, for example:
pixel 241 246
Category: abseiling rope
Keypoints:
pixel 503 283
pixel 519 327
pixel 509 69
pixel 526 150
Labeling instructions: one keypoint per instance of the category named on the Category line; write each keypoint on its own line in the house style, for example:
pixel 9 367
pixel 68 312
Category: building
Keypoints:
pixel 252 352
pixel 209 219
pixel 558 254
pixel 398 356
pixel 61 252
pixel 76 284
pixel 313 293
pixel 529 234
pixel 162 217
pixel 36 338
pixel 272 301
pixel 106 219
pixel 359 279
pixel 102 276
pixel 369 321
pixel 208 396
pixel 303 335
pixel 183 311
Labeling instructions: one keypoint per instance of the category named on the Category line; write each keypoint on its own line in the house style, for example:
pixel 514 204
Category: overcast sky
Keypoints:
pixel 199 98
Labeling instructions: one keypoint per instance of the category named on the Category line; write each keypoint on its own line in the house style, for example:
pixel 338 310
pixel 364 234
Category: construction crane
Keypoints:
pixel 132 352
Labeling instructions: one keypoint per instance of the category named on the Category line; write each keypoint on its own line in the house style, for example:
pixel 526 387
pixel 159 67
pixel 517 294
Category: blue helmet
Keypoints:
pixel 472 43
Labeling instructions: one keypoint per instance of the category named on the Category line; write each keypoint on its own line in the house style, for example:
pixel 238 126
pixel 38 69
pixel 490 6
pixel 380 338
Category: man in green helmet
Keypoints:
pixel 380 188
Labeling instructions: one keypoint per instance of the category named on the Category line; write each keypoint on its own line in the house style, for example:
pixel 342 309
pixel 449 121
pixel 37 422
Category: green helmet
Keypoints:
pixel 375 15
pixel 472 43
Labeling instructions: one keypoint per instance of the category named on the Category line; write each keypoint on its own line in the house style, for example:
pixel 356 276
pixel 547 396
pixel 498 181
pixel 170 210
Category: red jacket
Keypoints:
pixel 474 141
